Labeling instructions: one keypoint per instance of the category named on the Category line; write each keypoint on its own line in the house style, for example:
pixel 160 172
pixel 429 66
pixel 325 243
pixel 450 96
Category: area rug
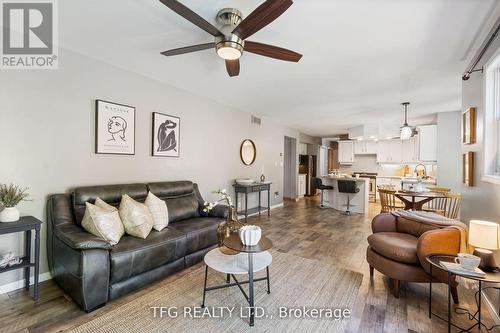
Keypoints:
pixel 301 289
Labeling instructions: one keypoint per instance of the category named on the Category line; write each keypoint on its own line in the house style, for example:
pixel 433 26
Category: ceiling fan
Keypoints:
pixel 232 32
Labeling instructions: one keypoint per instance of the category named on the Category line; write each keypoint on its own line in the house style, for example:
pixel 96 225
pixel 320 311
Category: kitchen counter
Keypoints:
pixel 336 200
pixel 400 182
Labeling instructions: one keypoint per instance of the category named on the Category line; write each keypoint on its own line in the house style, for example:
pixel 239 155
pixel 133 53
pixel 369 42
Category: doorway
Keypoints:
pixel 290 168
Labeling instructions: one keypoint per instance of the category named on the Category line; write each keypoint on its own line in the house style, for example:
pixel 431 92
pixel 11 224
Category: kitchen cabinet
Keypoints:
pixel 365 148
pixel 302 185
pixel 346 152
pixel 428 143
pixel 410 150
pixel 389 151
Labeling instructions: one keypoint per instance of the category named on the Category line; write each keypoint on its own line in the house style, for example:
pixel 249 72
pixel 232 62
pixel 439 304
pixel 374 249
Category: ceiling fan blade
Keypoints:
pixel 272 51
pixel 192 17
pixel 233 67
pixel 261 16
pixel 188 49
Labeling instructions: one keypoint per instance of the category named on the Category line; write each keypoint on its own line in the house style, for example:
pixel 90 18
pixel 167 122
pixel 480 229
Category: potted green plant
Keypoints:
pixel 10 196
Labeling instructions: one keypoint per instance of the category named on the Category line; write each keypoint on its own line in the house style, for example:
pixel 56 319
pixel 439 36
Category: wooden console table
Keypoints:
pixel 26 224
pixel 255 187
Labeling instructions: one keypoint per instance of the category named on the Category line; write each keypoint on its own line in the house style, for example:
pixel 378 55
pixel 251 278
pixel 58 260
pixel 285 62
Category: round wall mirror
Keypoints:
pixel 248 153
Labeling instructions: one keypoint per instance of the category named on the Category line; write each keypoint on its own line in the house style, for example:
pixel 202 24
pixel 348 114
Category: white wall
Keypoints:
pixel 47 137
pixel 449 156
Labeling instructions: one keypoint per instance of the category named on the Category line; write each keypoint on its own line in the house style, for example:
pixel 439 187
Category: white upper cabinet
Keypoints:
pixel 365 148
pixel 389 151
pixel 371 147
pixel 410 150
pixel 346 152
pixel 427 136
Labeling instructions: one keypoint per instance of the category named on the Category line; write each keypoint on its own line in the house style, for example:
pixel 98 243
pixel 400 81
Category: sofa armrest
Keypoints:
pixel 439 241
pixel 385 222
pixel 78 239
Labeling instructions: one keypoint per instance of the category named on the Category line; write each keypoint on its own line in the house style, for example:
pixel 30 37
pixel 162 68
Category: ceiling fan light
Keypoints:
pixel 406 132
pixel 228 53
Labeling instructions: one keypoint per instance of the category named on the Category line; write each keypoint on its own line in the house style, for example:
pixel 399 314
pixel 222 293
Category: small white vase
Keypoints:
pixel 250 235
pixel 9 214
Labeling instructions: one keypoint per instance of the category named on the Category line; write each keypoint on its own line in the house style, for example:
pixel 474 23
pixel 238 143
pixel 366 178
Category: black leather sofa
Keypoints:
pixel 93 272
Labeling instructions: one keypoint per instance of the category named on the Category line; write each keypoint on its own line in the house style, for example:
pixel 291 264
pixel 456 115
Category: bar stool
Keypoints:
pixel 318 183
pixel 349 187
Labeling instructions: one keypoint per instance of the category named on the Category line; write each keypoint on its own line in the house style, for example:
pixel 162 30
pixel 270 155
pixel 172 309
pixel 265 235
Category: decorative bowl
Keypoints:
pixel 250 235
pixel 244 181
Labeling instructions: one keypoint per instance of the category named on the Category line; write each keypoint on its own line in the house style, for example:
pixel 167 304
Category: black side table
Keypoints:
pixel 26 224
pixel 435 263
pixel 252 188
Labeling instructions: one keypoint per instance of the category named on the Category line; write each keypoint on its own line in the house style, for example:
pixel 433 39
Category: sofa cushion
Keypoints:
pixel 396 246
pixel 111 194
pixel 180 197
pixel 136 217
pixel 201 232
pixel 133 256
pixel 159 211
pixel 103 220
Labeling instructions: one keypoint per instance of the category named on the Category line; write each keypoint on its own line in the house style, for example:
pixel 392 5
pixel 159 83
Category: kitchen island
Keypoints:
pixel 336 200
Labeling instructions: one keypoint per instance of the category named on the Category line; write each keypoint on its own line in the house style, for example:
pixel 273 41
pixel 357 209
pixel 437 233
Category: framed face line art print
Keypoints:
pixel 165 135
pixel 114 128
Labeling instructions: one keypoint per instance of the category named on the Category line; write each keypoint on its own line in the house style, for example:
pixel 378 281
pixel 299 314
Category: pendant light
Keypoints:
pixel 406 130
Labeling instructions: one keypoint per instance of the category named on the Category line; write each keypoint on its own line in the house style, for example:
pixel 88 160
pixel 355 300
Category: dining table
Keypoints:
pixel 415 200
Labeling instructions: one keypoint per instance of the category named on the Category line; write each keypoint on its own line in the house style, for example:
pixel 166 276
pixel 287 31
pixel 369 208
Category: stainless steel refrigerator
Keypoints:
pixel 307 166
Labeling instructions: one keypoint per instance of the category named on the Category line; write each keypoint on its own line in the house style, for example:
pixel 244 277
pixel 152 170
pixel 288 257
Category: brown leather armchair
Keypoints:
pixel 398 248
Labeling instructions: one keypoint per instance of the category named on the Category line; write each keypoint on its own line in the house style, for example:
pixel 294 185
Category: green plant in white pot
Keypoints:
pixel 10 196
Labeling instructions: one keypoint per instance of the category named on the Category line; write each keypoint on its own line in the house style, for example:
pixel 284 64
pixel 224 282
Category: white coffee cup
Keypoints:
pixel 250 235
pixel 468 261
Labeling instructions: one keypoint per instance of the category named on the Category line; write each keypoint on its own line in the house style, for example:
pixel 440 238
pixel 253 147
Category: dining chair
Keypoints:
pixel 388 200
pixel 439 189
pixel 448 206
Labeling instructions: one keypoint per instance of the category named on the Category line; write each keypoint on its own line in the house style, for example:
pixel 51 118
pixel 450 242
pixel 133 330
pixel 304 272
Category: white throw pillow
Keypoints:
pixel 159 210
pixel 103 220
pixel 136 217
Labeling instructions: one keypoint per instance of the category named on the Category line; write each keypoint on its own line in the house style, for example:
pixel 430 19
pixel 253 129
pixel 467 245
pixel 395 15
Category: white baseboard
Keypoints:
pixel 254 214
pixel 6 288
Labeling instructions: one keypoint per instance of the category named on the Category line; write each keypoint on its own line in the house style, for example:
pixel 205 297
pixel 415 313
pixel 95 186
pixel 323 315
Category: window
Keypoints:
pixel 495 103
pixel 492 120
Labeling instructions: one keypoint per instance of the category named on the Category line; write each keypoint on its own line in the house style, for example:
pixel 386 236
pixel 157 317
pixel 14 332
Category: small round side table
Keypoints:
pixel 248 260
pixel 435 262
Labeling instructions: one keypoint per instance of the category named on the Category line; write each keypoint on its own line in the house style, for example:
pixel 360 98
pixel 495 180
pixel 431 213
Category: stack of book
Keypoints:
pixel 458 269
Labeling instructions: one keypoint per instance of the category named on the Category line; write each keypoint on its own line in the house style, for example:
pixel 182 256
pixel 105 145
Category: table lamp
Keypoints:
pixel 484 236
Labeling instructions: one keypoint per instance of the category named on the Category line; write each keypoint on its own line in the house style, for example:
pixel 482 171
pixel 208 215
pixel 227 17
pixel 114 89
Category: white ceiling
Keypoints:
pixel 361 57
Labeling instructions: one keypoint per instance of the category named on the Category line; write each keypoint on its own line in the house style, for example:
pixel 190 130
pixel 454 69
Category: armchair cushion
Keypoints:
pixel 396 246
pixel 78 239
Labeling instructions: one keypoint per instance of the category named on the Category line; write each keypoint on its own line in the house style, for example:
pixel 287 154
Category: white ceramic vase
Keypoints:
pixel 250 235
pixel 9 214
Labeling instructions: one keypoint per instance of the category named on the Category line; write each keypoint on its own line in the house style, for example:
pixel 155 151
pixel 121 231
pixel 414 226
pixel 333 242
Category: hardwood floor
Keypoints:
pixel 302 229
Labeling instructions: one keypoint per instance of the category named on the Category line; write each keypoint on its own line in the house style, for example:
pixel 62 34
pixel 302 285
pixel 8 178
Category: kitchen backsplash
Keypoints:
pixel 369 164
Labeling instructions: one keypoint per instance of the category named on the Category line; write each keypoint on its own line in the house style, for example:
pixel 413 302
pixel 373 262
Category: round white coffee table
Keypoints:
pixel 240 263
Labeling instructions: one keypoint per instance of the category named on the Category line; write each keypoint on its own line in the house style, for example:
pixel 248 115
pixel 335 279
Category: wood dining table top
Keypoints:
pixel 412 204
pixel 424 194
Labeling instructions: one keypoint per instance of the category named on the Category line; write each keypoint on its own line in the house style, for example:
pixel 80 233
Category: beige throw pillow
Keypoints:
pixel 159 210
pixel 103 221
pixel 136 217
